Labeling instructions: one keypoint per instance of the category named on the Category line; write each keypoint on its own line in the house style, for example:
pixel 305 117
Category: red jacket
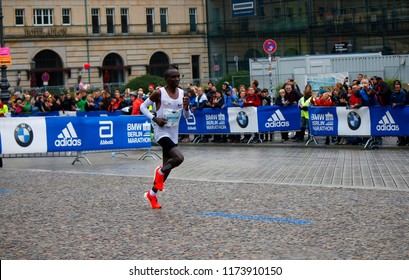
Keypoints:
pixel 252 101
pixel 323 102
pixel 136 105
pixel 353 99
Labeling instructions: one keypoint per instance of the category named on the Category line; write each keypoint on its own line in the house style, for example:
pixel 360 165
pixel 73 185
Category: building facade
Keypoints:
pixel 102 42
pixel 237 29
pixel 205 39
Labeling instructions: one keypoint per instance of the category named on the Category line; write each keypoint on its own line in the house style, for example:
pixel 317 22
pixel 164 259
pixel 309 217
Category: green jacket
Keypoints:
pixel 81 104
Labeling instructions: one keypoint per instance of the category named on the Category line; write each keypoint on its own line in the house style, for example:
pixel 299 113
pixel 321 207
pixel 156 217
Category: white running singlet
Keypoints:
pixel 171 110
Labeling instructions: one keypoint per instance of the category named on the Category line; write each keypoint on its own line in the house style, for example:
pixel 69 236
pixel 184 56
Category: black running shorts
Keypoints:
pixel 167 144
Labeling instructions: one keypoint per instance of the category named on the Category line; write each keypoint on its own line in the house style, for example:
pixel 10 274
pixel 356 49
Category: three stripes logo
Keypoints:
pixel 68 137
pixel 387 123
pixel 277 120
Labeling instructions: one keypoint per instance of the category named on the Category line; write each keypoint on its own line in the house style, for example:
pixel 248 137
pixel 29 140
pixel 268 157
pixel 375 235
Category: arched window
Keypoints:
pixel 158 63
pixel 50 62
pixel 113 69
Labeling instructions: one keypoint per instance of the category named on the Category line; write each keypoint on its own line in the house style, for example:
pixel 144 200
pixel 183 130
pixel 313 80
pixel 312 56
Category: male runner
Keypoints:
pixel 170 102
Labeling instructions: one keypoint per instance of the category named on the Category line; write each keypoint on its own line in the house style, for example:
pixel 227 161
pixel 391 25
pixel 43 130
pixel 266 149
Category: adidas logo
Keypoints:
pixel 387 123
pixel 68 137
pixel 277 120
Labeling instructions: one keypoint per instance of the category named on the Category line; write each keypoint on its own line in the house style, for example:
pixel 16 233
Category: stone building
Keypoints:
pixel 117 40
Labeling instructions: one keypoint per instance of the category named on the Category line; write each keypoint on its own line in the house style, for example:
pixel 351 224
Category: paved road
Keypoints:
pixel 224 202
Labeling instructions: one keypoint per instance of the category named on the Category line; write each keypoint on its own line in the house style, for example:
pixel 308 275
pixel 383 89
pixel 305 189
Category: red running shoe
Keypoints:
pixel 159 179
pixel 153 200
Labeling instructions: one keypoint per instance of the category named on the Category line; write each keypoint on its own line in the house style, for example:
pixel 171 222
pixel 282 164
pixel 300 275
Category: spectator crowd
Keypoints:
pixel 362 91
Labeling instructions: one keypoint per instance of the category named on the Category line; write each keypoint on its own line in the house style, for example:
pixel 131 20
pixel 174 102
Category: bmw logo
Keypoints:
pixel 242 119
pixel 354 120
pixel 23 135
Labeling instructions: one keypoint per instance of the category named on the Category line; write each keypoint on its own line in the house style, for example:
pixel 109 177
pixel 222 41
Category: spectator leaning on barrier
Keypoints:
pixel 398 100
pixel 266 101
pixel 355 100
pixel 230 100
pixel 324 100
pixel 369 92
pixel 90 104
pixel 3 109
pixel 217 102
pixel 200 101
pixel 81 99
pixel 136 103
pixel 17 108
pixel 69 103
pixel 242 97
pixel 293 96
pixel 252 100
pixel 191 94
pixel 303 104
pixel 283 100
pixel 199 104
pixel 383 91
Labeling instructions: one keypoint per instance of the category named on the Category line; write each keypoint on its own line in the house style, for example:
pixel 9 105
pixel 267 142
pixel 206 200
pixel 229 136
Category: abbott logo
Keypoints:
pixel 106 129
pixel 387 123
pixel 67 137
pixel 277 120
pixel 191 120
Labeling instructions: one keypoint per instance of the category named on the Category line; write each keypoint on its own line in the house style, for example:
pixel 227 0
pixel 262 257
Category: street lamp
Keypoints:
pixel 4 85
pixel 216 67
pixel 33 80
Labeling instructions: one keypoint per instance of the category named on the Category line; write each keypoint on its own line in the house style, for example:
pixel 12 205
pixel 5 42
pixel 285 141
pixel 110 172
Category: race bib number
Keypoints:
pixel 172 117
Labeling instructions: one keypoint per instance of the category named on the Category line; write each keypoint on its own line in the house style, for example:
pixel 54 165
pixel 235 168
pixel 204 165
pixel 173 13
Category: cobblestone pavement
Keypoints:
pixel 224 202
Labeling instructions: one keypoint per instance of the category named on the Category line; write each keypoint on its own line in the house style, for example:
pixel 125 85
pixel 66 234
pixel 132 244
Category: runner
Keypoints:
pixel 170 102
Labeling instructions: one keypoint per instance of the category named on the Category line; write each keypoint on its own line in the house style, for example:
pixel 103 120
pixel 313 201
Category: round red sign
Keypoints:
pixel 45 77
pixel 270 46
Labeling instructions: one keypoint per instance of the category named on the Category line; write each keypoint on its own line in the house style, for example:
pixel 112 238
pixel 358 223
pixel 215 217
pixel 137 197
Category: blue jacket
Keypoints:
pixel 399 98
pixel 229 99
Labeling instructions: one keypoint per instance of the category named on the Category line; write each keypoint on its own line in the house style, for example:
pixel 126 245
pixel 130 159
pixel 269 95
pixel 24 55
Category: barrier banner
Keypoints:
pixel 206 121
pixel 23 135
pixel 354 122
pixel 323 121
pixel 278 118
pixel 97 133
pixel 243 120
pixel 55 134
pixel 365 121
pixel 388 121
pixel 333 121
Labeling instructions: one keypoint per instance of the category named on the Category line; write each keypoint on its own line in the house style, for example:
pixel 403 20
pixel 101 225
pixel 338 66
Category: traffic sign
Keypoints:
pixel 216 67
pixel 270 46
pixel 45 77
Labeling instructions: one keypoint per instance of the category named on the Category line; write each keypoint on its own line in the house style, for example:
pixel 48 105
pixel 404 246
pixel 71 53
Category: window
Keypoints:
pixel 19 16
pixel 95 21
pixel 124 21
pixel 163 20
pixel 43 16
pixel 149 20
pixel 192 19
pixel 110 20
pixel 66 16
pixel 195 67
